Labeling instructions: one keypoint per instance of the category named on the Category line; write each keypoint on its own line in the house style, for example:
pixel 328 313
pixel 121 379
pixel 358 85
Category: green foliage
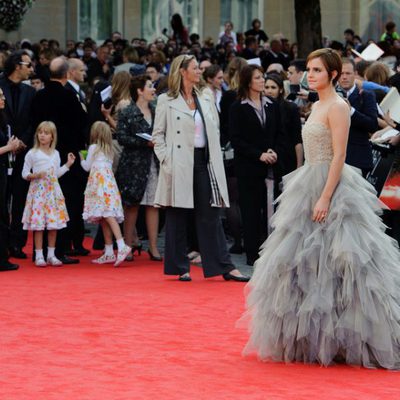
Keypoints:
pixel 12 13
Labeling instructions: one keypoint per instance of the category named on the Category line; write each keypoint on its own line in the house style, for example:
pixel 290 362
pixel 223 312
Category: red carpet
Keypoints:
pixel 86 332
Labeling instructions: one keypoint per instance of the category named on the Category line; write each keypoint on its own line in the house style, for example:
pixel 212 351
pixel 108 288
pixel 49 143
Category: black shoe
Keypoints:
pixel 153 257
pixel 138 248
pixel 67 260
pixel 78 252
pixel 185 277
pixel 7 266
pixel 229 277
pixel 236 249
pixel 17 252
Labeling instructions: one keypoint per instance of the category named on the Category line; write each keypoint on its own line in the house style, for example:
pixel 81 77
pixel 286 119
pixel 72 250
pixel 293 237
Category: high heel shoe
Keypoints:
pixel 138 248
pixel 153 257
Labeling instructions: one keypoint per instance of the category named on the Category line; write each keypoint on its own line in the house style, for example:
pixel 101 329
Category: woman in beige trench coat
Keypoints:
pixel 186 141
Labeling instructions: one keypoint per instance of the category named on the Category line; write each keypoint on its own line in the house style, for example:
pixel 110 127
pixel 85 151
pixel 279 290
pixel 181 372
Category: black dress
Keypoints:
pixel 135 162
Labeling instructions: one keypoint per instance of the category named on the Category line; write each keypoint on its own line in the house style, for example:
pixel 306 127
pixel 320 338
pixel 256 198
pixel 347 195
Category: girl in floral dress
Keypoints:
pixel 102 198
pixel 45 204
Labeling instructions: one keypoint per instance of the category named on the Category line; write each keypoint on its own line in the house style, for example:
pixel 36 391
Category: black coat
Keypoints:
pixel 363 122
pixel 21 120
pixel 59 105
pixel 291 122
pixel 250 139
pixel 134 165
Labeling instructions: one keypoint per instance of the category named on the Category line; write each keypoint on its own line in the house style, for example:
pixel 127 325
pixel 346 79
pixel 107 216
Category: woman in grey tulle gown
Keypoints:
pixel 326 286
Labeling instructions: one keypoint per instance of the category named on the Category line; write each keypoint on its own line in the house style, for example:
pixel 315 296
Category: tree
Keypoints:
pixel 12 13
pixel 308 26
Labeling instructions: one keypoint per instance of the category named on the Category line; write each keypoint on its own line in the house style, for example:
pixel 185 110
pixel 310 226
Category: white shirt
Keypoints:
pixel 199 134
pixel 348 94
pixel 37 160
pixel 98 159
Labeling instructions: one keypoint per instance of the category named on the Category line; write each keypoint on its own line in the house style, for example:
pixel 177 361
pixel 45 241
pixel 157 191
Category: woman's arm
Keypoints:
pixel 339 124
pixel 86 164
pixel 159 129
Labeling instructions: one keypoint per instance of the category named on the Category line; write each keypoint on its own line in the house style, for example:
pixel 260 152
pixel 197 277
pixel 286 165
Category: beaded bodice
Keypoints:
pixel 317 142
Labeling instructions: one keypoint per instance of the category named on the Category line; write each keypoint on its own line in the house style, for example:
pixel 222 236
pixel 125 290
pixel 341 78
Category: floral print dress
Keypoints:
pixel 102 197
pixel 45 204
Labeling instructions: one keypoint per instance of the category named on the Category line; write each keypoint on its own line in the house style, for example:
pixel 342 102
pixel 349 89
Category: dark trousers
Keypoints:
pixel 253 203
pixel 211 238
pixel 4 217
pixel 18 190
pixel 73 187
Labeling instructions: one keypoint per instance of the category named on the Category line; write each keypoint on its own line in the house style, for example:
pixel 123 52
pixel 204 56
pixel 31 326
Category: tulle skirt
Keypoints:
pixel 326 292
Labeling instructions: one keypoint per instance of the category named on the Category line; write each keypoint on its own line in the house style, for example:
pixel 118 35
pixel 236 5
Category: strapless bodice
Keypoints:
pixel 317 142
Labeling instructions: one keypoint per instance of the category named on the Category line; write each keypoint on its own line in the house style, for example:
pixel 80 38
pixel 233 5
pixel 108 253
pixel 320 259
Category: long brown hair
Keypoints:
pixel 120 84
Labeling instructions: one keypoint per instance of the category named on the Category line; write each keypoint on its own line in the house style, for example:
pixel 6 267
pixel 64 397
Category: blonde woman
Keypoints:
pixel 192 176
pixel 102 199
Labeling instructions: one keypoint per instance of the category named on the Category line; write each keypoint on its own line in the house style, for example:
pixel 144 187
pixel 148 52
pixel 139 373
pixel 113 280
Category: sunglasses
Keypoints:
pixel 28 64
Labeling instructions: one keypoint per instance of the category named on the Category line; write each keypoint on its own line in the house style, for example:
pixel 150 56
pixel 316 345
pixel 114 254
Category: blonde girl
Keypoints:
pixel 102 198
pixel 45 204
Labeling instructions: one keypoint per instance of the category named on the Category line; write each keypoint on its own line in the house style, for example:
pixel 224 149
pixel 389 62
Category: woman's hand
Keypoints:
pixel 388 119
pixel 269 157
pixel 105 111
pixel 321 210
pixel 71 159
pixel 13 143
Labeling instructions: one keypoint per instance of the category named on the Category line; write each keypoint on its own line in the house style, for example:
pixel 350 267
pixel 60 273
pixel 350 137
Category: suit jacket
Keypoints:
pixel 21 120
pixel 363 122
pixel 57 104
pixel 250 139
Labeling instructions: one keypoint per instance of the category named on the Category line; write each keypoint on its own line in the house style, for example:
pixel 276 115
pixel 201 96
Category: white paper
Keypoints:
pixel 370 53
pixel 145 136
pixel 391 103
pixel 386 136
pixel 254 61
pixel 105 94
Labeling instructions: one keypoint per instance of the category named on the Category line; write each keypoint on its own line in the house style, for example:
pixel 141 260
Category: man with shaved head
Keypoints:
pixel 76 76
pixel 56 103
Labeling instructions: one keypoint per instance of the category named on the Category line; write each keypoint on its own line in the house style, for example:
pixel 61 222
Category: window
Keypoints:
pixel 98 18
pixel 156 16
pixel 240 12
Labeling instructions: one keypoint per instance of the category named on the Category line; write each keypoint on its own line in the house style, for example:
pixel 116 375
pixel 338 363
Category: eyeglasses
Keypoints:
pixel 28 64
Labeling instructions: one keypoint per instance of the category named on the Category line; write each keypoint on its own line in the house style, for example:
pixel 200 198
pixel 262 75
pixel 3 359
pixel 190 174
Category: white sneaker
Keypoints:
pixel 122 255
pixel 40 262
pixel 105 259
pixel 54 261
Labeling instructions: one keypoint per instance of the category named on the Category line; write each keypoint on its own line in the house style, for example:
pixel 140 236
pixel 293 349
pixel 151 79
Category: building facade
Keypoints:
pixel 77 19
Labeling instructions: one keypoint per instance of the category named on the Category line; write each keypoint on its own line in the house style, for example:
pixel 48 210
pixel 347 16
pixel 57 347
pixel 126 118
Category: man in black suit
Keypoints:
pixel 57 104
pixel 76 77
pixel 364 119
pixel 19 96
pixel 274 55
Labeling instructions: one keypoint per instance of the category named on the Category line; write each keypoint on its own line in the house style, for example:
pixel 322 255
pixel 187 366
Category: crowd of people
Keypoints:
pixel 188 128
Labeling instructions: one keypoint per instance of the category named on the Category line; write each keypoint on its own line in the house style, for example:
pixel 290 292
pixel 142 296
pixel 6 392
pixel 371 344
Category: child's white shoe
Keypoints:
pixel 122 255
pixel 54 261
pixel 40 262
pixel 105 259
